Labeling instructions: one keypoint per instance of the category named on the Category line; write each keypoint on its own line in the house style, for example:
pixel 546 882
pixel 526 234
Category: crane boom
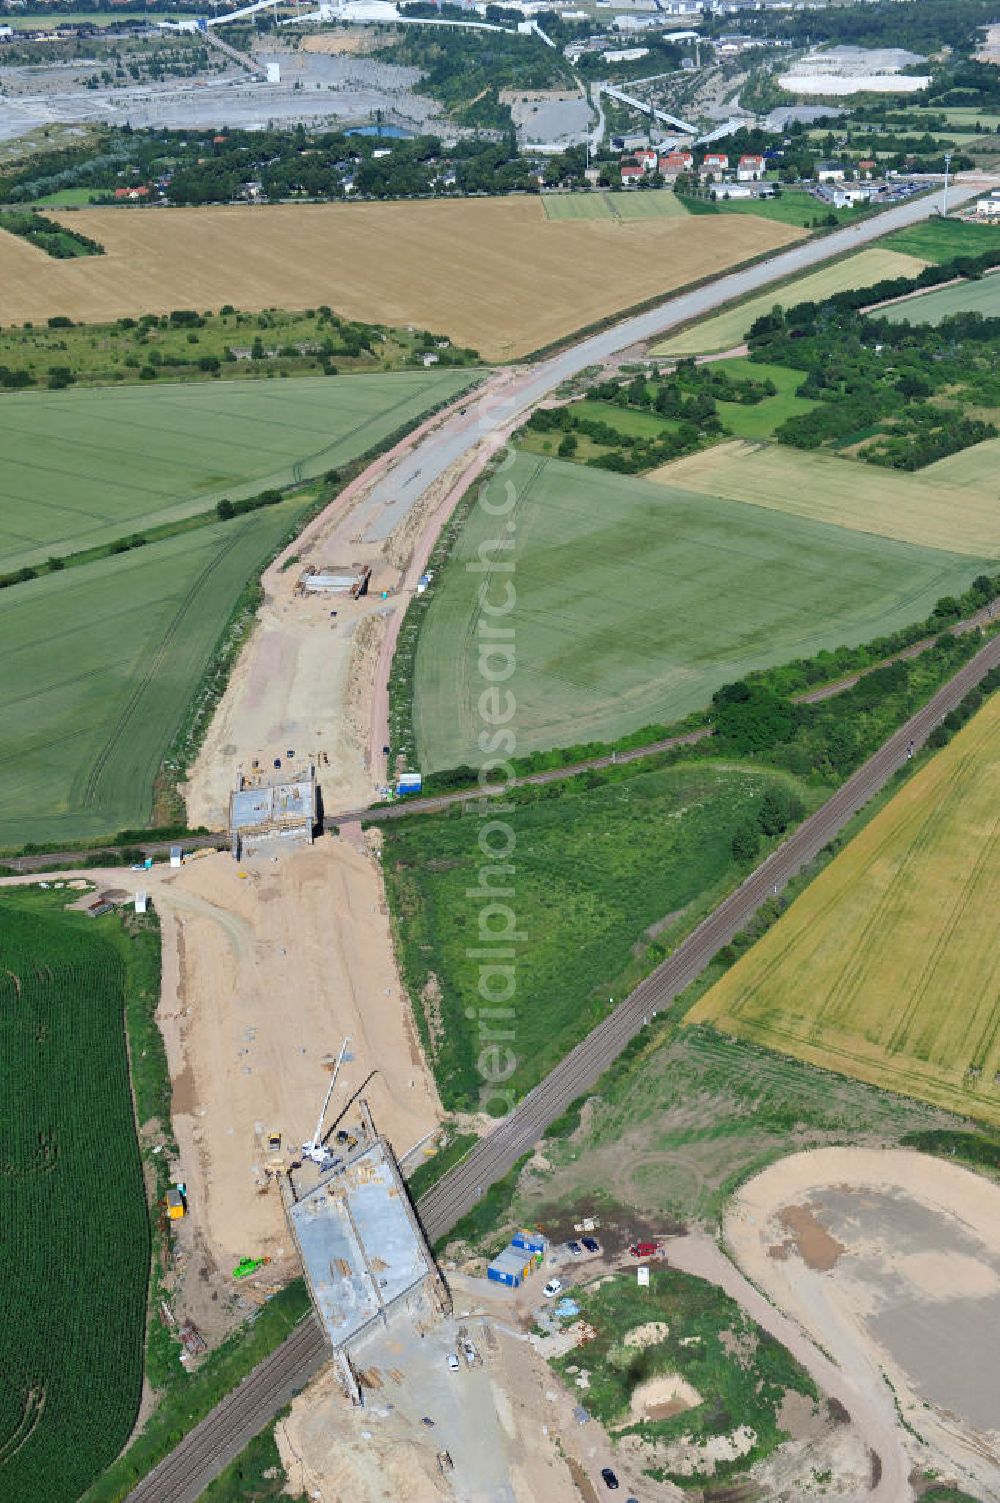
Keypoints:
pixel 314 1148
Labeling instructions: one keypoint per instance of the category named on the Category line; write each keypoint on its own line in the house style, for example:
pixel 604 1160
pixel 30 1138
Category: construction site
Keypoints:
pixel 334 579
pixel 264 815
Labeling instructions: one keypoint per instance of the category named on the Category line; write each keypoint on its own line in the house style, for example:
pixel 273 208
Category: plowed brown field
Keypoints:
pixel 494 274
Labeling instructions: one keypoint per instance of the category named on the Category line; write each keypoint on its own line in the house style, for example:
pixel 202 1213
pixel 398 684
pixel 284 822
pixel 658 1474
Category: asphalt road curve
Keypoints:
pixel 227 1429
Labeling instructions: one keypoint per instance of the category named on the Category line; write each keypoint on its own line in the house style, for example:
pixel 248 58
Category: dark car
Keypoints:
pixel 590 1244
pixel 610 1480
pixel 575 1249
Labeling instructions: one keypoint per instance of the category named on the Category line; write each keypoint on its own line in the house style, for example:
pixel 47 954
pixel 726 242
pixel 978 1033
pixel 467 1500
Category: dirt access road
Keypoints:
pixel 890 1260
pixel 463 1185
pixel 303 682
pixel 320 683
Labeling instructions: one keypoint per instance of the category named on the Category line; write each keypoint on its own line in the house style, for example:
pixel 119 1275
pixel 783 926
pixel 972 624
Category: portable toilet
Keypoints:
pixel 176 855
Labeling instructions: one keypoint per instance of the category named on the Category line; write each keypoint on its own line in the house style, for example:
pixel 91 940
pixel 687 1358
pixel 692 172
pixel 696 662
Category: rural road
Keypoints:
pixel 183 1475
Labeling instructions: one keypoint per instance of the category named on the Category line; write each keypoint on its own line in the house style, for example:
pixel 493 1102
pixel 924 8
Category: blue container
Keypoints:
pixel 532 1242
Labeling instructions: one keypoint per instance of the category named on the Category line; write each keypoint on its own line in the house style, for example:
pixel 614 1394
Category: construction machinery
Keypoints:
pixel 315 1150
pixel 246 1266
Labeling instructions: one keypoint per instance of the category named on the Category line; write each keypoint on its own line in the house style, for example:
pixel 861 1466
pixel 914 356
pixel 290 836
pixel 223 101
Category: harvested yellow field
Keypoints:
pixel 887 967
pixel 726 330
pixel 955 517
pixel 494 274
pixel 978 467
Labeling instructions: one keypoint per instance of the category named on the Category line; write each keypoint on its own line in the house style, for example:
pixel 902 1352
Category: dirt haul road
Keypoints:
pixel 321 682
pixel 458 1190
pixel 890 1260
pixel 266 968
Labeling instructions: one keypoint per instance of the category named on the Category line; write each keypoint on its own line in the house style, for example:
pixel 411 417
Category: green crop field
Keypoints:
pixel 662 202
pixel 68 196
pixel 790 207
pixel 81 467
pixel 652 204
pixel 761 420
pixel 725 330
pixel 113 17
pixel 596 869
pixel 102 660
pixel 72 1206
pixel 101 663
pixel 634 602
pixel 982 296
pixel 636 424
pixel 940 240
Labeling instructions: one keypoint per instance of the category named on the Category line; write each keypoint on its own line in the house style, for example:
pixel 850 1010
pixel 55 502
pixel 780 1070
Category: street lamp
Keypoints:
pixel 944 200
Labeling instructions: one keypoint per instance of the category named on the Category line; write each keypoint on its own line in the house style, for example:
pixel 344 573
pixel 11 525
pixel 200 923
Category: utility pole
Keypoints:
pixel 944 199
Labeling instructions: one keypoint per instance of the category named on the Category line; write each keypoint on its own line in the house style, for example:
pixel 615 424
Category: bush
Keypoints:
pixel 746 843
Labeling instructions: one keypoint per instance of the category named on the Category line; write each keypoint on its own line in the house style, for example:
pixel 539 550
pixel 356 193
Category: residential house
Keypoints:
pixel 632 173
pixel 714 164
pixel 674 163
pixel 749 169
pixel 830 172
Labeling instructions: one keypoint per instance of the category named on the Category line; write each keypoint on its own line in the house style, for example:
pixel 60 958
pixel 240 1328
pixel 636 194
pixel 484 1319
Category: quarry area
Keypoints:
pixel 891 1262
pixel 279 83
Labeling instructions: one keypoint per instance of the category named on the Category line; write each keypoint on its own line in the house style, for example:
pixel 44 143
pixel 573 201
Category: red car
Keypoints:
pixel 644 1249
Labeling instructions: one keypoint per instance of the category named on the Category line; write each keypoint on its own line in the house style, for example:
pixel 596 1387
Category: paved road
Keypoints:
pixel 494 411
pixel 203 1453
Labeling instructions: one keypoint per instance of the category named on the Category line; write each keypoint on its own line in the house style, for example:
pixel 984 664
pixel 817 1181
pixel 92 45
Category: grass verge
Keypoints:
pixel 193 1396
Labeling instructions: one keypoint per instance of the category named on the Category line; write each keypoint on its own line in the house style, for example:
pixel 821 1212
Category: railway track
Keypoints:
pixel 218 1438
pixel 435 803
pixel 213 1443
